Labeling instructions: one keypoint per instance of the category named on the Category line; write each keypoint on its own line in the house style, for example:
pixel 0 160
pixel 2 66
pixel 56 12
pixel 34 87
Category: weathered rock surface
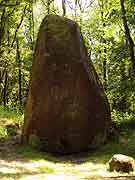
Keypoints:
pixel 120 162
pixel 66 107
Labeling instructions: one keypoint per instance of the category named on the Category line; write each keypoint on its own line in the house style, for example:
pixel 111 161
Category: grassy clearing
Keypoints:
pixel 28 164
pixel 24 163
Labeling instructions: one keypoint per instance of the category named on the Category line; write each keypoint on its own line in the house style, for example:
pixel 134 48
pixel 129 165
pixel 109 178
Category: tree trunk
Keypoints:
pixel 19 73
pixel 128 35
pixel 48 6
pixel 64 7
pixel 1 85
pixel 2 26
pixel 104 46
pixel 76 1
pixel 5 89
pixel 31 25
pixel 104 72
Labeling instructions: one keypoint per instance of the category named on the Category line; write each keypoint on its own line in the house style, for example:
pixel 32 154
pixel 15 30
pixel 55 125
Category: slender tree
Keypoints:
pixel 2 25
pixel 128 35
pixel 103 41
pixel 64 7
pixel 5 89
pixel 19 72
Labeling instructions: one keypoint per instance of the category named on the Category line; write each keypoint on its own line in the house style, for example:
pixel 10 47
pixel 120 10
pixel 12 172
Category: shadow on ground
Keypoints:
pixel 24 163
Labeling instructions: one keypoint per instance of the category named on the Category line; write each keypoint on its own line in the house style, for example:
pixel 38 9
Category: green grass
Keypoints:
pixel 3 132
pixel 30 153
pixel 8 113
pixel 9 116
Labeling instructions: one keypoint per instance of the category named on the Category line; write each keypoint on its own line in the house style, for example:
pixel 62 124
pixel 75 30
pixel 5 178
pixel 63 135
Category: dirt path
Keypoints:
pixel 15 165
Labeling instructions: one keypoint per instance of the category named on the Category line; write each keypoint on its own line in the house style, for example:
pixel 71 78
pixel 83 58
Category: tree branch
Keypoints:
pixel 8 5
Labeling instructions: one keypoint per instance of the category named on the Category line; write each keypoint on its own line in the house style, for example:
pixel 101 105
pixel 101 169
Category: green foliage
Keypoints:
pixel 9 113
pixel 3 133
pixel 123 120
pixel 8 120
pixel 103 30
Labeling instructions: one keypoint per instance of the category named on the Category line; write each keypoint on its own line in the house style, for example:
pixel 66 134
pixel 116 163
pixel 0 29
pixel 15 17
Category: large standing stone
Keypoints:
pixel 66 107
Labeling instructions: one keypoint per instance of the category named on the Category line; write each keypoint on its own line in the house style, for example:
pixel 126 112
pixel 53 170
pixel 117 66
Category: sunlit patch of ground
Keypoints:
pixel 18 165
pixel 23 163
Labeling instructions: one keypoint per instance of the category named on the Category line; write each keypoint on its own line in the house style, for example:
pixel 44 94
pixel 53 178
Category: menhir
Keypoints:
pixel 67 108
